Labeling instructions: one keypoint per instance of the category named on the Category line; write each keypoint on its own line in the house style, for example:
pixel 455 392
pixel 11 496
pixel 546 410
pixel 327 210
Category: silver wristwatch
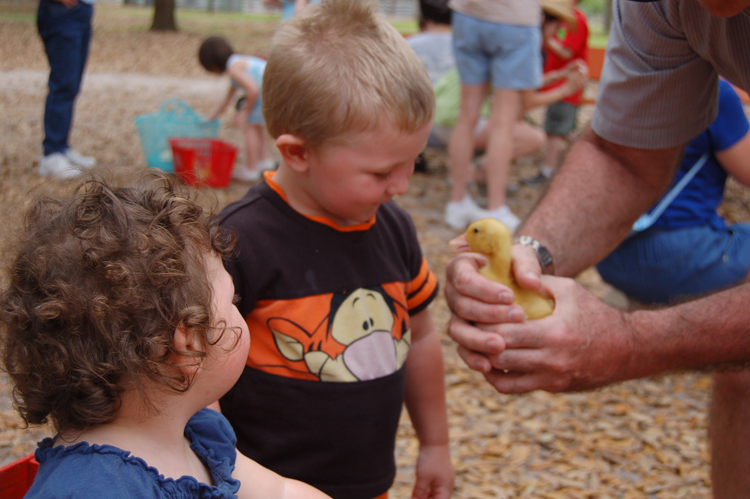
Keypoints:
pixel 542 253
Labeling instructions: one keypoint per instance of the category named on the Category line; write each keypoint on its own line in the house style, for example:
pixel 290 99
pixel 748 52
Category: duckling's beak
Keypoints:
pixel 460 244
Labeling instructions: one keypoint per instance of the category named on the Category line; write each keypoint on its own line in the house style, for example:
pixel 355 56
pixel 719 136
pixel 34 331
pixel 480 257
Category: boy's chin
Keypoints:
pixel 356 219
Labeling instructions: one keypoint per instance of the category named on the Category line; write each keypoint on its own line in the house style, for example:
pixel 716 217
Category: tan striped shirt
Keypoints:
pixel 659 84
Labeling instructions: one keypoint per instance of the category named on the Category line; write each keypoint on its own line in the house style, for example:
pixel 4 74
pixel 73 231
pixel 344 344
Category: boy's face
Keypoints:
pixel 349 180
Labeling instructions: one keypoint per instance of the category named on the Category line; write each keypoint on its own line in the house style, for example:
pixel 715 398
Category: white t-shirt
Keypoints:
pixel 435 50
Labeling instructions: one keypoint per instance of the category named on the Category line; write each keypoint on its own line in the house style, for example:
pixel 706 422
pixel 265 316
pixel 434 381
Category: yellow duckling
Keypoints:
pixel 491 238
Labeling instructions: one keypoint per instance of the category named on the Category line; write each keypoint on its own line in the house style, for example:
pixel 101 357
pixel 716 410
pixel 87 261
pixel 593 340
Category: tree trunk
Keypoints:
pixel 164 16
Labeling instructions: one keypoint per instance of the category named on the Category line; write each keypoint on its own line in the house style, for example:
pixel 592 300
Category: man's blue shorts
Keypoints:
pixel 508 57
pixel 668 265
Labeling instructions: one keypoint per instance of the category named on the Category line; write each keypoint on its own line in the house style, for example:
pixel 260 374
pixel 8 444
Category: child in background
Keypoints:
pixel 434 42
pixel 288 7
pixel 246 73
pixel 329 271
pixel 118 326
pixel 690 250
pixel 568 45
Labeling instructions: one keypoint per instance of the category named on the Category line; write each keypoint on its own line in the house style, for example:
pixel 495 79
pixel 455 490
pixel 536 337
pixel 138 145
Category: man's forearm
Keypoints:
pixel 591 204
pixel 713 331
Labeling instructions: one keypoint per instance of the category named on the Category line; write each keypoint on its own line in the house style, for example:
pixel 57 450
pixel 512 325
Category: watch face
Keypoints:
pixel 542 253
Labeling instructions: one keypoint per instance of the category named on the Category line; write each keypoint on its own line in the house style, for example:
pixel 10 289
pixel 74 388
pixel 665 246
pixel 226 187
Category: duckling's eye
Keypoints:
pixel 476 230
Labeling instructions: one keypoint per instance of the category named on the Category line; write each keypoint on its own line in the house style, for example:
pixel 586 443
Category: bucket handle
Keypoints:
pixel 174 107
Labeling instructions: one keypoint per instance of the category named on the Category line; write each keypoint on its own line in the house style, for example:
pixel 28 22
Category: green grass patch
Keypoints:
pixel 106 17
pixel 18 17
pixel 405 27
pixel 224 16
pixel 598 40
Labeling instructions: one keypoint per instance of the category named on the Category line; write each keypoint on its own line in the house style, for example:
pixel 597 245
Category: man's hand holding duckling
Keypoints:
pixel 473 299
pixel 566 351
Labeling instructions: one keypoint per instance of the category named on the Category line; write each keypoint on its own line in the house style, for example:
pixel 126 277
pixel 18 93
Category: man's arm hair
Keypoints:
pixel 592 202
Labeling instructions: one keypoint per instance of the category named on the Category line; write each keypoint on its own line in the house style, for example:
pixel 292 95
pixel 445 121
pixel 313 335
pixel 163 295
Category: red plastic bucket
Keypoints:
pixel 203 161
pixel 17 477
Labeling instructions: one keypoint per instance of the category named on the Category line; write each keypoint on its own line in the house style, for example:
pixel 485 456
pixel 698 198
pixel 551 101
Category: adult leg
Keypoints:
pixel 461 144
pixel 729 424
pixel 729 432
pixel 527 139
pixel 66 35
pixel 506 107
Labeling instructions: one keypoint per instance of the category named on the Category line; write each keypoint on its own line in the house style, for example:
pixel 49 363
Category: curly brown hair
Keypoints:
pixel 97 285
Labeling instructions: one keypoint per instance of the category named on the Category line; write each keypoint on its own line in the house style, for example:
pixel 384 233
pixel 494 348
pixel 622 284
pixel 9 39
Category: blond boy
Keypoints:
pixel 330 276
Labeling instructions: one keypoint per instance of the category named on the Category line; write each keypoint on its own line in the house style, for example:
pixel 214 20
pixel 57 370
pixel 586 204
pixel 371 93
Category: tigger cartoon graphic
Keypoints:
pixel 363 336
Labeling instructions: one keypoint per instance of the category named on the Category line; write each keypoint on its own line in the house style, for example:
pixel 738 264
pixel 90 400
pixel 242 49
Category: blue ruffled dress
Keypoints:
pixel 104 471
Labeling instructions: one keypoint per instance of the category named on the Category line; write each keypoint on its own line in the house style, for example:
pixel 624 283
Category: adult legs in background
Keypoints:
pixel 461 144
pixel 507 59
pixel 506 107
pixel 66 34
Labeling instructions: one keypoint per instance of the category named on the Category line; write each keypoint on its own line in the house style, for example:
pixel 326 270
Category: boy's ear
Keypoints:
pixel 294 151
pixel 188 349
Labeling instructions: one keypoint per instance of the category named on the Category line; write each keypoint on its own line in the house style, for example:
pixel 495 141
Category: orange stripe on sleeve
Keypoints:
pixel 421 287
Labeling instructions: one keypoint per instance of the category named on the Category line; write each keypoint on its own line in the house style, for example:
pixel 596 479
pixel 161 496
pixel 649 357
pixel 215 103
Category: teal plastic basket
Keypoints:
pixel 174 119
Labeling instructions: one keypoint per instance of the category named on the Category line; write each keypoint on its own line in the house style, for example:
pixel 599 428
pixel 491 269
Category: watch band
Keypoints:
pixel 542 253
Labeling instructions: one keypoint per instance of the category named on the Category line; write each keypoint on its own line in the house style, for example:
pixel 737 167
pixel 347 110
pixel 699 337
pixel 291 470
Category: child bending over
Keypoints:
pixel 245 73
pixel 118 326
pixel 330 275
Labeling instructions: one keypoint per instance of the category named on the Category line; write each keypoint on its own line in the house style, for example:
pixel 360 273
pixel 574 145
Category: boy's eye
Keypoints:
pixel 383 176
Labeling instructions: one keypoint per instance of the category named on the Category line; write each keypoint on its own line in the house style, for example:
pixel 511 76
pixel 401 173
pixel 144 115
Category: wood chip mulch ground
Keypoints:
pixel 645 438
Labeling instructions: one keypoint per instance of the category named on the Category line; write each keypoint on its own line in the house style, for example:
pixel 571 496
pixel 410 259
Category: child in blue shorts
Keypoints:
pixel 690 250
pixel 246 73
pixel 117 325
pixel 328 269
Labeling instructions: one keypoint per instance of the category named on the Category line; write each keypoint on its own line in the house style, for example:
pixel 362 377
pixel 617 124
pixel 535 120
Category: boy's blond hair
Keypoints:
pixel 340 68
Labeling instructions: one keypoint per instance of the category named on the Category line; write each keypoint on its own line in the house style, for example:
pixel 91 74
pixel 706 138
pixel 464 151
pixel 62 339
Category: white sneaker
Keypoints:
pixel 506 216
pixel 245 175
pixel 266 164
pixel 79 159
pixel 459 214
pixel 56 164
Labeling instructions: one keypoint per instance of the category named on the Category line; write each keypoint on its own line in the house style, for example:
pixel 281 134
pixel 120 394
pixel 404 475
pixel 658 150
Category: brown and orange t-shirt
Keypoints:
pixel 328 310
